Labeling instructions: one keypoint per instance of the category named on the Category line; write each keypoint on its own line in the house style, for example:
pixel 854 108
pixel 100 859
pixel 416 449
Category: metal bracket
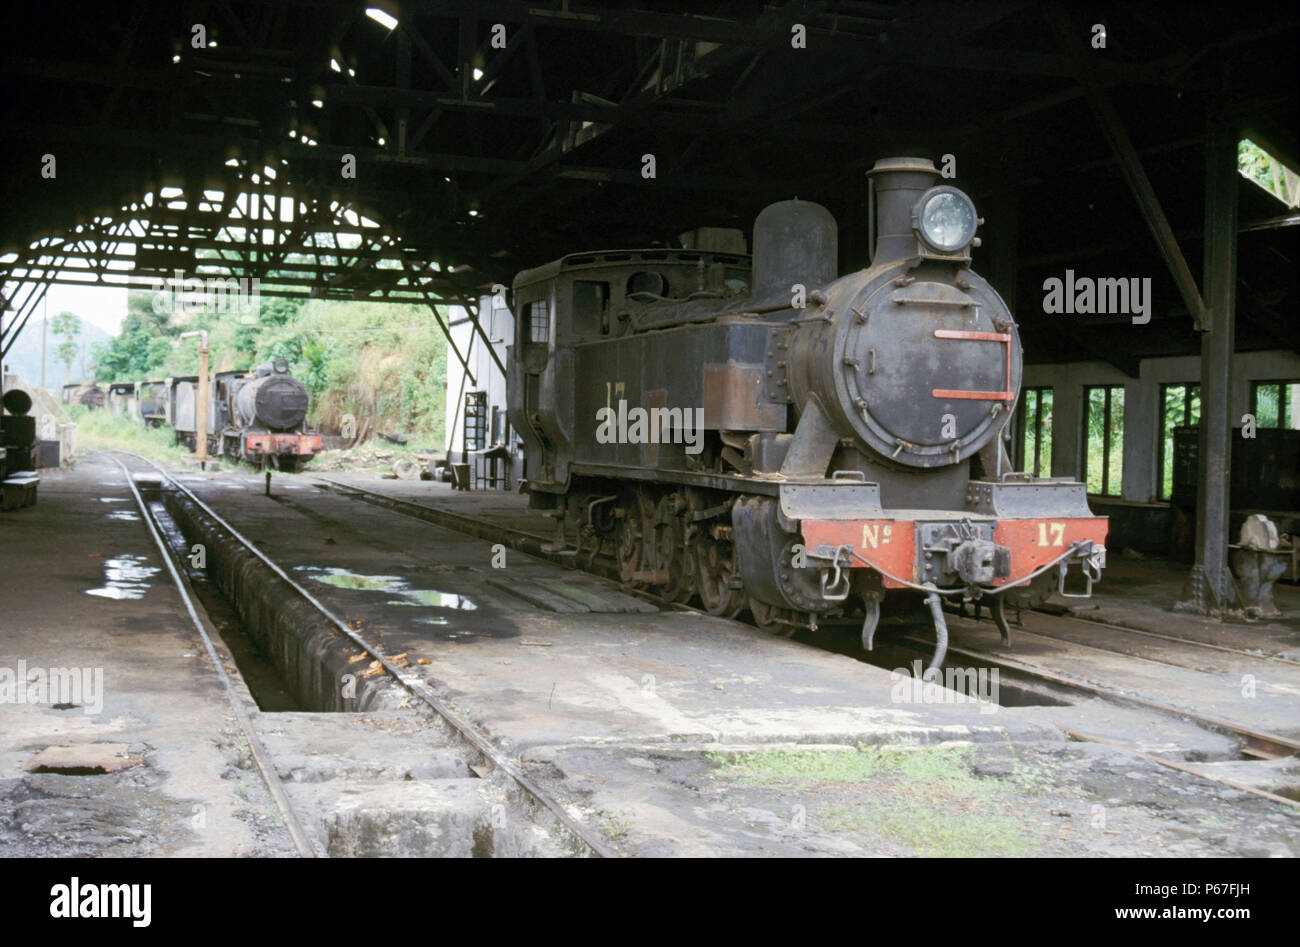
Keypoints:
pixel 837 588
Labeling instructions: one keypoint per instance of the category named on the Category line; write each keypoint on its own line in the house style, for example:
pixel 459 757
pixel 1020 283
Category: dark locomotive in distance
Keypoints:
pixel 852 444
pixel 256 416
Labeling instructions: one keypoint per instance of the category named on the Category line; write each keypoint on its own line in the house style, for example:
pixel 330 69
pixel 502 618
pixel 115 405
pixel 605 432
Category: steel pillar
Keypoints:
pixel 1210 584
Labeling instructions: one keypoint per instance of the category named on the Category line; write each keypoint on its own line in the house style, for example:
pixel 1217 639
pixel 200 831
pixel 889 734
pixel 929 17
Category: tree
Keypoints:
pixel 68 326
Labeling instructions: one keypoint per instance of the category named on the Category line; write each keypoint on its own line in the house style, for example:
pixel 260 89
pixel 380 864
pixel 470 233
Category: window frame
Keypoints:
pixel 1038 429
pixel 1162 458
pixel 1106 445
pixel 1284 421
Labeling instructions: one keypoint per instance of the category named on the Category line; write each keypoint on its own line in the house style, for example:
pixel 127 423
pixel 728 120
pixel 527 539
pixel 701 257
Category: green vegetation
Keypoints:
pixel 1104 461
pixel 1182 407
pixel 1272 404
pixel 66 326
pixel 1269 173
pixel 100 430
pixel 384 364
pixel 924 798
pixel 1038 431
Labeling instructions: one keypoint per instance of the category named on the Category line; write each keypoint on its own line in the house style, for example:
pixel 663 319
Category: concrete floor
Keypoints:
pixel 627 715
pixel 81 587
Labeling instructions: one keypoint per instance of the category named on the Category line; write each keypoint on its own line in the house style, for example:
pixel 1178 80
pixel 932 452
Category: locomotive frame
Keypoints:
pixel 852 449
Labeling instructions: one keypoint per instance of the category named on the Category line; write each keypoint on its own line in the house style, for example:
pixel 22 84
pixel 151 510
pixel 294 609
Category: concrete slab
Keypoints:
pixel 142 679
pixel 89 758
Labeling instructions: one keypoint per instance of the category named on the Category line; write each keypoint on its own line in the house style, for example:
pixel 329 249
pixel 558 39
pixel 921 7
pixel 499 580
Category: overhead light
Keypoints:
pixel 478 74
pixel 473 213
pixel 381 143
pixel 176 59
pixel 352 73
pixel 292 133
pixel 318 103
pixel 212 44
pixel 334 64
pixel 382 17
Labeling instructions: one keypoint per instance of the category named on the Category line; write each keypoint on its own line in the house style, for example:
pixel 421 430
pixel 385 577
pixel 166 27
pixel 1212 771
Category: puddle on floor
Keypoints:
pixel 428 598
pixel 441 599
pixel 459 618
pixel 125 577
pixel 345 579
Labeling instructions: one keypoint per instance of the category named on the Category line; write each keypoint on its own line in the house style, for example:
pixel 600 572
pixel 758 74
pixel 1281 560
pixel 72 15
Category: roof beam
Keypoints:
pixel 1131 167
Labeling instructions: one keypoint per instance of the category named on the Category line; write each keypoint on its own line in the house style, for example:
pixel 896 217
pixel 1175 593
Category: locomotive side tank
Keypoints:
pixel 784 441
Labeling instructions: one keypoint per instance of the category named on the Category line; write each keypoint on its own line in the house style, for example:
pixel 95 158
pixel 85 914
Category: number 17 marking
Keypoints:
pixel 1057 533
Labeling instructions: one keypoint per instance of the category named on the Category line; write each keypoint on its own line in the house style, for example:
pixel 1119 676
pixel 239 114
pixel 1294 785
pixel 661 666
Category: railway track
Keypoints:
pixel 1046 617
pixel 484 759
pixel 265 767
pixel 1255 743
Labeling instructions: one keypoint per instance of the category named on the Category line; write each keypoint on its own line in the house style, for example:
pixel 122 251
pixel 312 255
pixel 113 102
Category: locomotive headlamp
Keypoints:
pixel 945 219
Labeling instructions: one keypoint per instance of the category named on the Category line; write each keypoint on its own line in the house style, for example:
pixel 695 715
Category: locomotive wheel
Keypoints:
pixel 671 552
pixel 769 618
pixel 629 548
pixel 715 567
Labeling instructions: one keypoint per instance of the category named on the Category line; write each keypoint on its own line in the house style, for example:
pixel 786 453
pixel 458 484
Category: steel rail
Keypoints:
pixel 301 840
pixel 1271 658
pixel 1292 807
pixel 413 685
pixel 1257 743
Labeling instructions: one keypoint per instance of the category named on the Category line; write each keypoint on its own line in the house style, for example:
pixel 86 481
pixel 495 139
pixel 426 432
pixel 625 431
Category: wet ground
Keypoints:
pixel 674 733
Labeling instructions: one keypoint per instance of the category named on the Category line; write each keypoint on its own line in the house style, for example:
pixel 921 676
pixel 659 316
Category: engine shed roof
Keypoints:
pixel 307 144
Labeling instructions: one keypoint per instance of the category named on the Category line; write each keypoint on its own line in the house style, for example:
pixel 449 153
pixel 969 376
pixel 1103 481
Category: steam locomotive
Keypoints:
pixel 767 436
pixel 257 417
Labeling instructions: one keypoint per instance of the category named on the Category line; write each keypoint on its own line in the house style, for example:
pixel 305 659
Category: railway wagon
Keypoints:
pixel 153 402
pixel 121 399
pixel 768 436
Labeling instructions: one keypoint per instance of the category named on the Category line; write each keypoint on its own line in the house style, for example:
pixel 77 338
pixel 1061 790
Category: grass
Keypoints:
pixel 100 430
pixel 924 798
pixel 615 823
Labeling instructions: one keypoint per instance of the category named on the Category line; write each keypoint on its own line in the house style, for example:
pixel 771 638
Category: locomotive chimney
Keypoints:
pixel 794 242
pixel 898 183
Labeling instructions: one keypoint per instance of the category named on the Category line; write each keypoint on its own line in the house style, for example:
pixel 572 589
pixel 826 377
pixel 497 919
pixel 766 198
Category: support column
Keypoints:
pixel 1210 584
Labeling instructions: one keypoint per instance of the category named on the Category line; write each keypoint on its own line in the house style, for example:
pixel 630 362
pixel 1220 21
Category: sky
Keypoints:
pixel 101 305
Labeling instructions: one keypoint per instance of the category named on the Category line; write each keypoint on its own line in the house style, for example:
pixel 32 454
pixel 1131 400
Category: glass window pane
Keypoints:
pixel 1266 405
pixel 1172 418
pixel 1030 422
pixel 1094 459
pixel 1115 462
pixel 1045 448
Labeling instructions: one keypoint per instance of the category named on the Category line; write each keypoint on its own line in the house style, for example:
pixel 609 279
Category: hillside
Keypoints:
pixel 25 357
pixel 384 364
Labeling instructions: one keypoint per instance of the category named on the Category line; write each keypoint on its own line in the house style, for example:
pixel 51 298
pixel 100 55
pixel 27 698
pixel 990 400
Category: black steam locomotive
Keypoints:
pixel 775 439
pixel 258 416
